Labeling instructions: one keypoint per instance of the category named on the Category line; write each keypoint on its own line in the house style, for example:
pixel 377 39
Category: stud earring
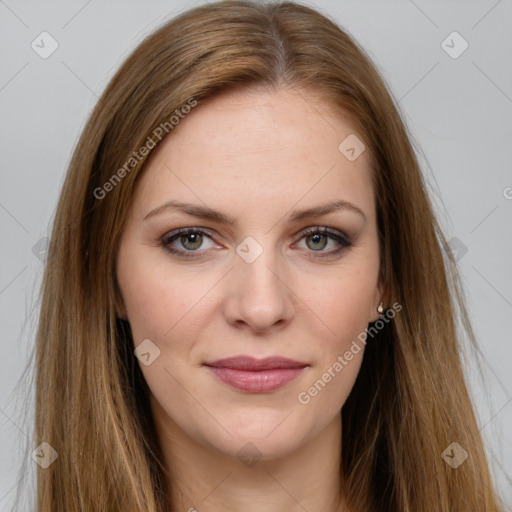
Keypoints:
pixel 380 309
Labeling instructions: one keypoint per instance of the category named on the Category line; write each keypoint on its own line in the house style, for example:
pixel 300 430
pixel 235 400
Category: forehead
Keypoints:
pixel 255 147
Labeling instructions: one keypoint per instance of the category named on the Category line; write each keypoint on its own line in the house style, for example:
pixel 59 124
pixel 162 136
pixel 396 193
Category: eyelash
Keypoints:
pixel 342 239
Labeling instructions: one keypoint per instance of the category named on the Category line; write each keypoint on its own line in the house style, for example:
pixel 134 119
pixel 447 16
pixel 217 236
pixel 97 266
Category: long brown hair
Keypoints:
pixel 410 399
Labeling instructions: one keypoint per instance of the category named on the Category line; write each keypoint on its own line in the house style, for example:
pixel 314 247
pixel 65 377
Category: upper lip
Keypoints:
pixel 253 364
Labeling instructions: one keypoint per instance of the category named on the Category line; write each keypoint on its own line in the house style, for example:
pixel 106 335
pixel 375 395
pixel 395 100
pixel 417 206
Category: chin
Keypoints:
pixel 249 449
pixel 263 435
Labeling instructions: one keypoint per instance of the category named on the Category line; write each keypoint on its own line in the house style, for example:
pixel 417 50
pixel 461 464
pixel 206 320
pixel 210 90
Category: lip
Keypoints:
pixel 256 375
pixel 250 363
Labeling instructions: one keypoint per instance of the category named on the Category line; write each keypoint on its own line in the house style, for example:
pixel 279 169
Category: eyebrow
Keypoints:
pixel 204 212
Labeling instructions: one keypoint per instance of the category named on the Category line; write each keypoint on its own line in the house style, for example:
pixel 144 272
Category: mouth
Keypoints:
pixel 252 375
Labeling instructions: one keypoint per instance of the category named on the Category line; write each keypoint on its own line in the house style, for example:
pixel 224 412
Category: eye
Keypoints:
pixel 317 239
pixel 192 239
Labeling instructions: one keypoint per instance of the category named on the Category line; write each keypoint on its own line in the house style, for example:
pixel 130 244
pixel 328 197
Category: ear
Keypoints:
pixel 381 295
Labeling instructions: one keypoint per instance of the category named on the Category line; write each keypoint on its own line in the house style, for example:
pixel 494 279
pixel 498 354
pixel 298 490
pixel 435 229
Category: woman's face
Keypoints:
pixel 269 284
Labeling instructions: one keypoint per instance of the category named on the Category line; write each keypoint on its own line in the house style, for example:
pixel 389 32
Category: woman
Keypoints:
pixel 246 303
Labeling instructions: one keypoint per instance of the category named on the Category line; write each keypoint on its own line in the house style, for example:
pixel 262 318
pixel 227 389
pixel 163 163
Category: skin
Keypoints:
pixel 255 156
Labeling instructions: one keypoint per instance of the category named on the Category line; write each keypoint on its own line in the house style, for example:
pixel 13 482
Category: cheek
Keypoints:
pixel 340 302
pixel 155 301
pixel 342 307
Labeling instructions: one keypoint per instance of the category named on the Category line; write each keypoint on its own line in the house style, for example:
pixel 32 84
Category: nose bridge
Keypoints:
pixel 258 261
pixel 260 295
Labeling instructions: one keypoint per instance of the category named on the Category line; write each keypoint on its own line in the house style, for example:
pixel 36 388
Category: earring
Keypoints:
pixel 380 309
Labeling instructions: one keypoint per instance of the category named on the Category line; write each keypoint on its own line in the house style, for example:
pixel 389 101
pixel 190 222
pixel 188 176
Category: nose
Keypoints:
pixel 259 295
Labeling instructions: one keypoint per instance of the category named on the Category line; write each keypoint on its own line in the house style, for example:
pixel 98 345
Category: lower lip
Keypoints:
pixel 261 381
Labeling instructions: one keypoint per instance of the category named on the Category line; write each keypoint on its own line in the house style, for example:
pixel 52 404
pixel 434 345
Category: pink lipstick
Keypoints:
pixel 256 375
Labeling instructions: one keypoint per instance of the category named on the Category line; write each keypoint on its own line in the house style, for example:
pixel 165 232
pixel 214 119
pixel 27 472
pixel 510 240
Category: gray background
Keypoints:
pixel 458 110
